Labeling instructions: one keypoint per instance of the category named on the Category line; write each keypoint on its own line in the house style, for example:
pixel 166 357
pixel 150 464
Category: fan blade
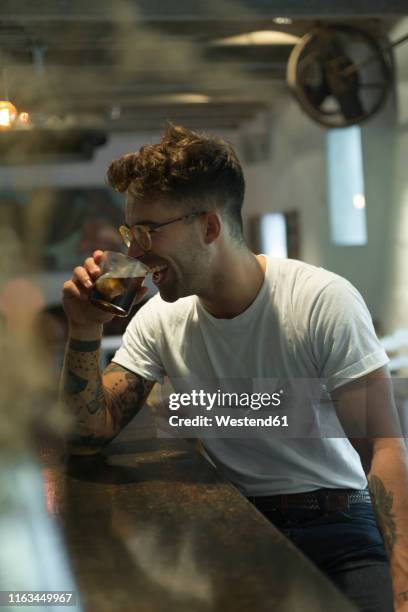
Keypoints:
pixel 350 105
pixel 317 93
pixel 345 87
pixel 324 73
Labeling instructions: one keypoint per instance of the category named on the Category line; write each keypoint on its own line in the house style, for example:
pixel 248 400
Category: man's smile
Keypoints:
pixel 159 274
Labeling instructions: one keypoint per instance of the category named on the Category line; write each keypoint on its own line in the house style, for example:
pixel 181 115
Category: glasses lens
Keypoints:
pixel 137 233
pixel 126 235
pixel 142 237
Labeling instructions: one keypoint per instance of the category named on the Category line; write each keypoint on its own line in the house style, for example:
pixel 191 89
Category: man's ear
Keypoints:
pixel 212 226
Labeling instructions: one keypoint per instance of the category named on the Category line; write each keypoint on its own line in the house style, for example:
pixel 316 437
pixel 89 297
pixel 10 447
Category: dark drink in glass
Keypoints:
pixel 116 295
pixel 116 288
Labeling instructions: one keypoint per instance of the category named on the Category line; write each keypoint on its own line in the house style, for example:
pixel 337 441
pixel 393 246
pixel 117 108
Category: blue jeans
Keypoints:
pixel 346 546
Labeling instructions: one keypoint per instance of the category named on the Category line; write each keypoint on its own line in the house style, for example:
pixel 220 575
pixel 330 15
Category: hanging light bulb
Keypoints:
pixel 24 118
pixel 8 114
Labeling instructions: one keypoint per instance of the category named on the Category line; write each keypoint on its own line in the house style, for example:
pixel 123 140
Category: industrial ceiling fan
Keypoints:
pixel 341 75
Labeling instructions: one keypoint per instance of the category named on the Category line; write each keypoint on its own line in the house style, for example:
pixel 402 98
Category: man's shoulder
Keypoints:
pixel 306 279
pixel 304 291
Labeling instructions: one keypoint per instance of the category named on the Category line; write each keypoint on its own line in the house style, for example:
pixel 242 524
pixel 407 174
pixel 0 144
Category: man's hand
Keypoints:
pixel 85 319
pixel 76 291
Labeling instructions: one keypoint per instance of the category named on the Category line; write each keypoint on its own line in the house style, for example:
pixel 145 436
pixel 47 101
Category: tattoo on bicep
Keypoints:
pixel 114 367
pixel 126 404
pixel 404 595
pixel 382 504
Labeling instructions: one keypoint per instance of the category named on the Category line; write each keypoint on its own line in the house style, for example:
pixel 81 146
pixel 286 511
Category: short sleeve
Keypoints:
pixel 344 341
pixel 139 351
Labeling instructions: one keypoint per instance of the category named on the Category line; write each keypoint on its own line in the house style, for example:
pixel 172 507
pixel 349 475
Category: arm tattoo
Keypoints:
pixel 98 399
pixel 126 404
pixel 102 406
pixel 382 504
pixel 84 346
pixel 74 384
pixel 82 385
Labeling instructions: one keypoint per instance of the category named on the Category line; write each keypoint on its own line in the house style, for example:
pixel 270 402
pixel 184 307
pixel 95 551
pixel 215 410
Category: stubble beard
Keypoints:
pixel 190 275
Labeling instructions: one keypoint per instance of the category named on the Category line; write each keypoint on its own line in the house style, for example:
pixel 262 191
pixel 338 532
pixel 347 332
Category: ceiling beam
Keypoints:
pixel 195 10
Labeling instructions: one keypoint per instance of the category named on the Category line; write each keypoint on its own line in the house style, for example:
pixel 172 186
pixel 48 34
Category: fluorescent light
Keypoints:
pixel 260 37
pixel 282 20
pixel 187 98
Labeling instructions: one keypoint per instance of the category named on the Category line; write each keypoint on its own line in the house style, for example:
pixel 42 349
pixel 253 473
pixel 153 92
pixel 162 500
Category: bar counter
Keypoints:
pixel 150 526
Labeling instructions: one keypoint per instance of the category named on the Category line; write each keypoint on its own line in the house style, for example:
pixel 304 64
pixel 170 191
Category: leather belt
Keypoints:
pixel 327 500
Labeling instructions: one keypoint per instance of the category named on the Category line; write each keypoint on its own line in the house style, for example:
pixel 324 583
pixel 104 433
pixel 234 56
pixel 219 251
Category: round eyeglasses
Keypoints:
pixel 141 234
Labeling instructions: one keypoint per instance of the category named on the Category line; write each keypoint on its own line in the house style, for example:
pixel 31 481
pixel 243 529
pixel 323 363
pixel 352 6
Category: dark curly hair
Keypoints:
pixel 186 168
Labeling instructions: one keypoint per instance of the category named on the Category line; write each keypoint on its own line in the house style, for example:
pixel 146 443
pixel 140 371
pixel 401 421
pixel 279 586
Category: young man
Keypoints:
pixel 224 313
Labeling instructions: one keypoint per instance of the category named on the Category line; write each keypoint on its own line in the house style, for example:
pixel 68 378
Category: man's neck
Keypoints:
pixel 234 285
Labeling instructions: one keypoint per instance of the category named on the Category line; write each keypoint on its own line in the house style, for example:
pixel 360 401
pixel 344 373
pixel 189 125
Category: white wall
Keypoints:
pixel 294 178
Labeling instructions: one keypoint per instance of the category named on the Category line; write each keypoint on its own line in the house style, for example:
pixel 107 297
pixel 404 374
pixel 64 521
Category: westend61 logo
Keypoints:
pixel 221 399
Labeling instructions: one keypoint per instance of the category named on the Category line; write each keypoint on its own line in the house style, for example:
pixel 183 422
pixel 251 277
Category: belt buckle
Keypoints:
pixel 322 500
pixel 332 502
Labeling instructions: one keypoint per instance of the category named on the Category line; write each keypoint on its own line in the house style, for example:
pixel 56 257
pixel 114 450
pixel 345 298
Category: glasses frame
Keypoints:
pixel 128 233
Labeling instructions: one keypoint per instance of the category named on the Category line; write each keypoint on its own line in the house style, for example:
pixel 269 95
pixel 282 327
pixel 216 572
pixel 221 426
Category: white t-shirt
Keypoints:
pixel 305 323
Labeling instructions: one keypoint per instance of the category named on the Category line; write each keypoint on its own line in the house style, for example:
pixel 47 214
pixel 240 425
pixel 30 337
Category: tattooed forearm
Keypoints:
pixel 388 485
pixel 82 388
pixel 74 384
pixel 84 346
pixel 382 504
pixel 102 404
pixel 98 401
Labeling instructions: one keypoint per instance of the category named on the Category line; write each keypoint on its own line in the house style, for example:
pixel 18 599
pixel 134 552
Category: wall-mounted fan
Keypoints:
pixel 340 75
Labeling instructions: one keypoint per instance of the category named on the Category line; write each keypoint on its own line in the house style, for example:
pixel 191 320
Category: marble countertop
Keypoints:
pixel 150 526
